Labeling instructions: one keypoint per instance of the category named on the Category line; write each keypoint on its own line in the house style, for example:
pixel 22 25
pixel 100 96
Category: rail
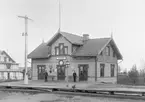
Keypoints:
pixel 114 93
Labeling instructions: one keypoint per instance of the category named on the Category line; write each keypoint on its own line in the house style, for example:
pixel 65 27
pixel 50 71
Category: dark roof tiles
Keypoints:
pixel 42 51
pixel 91 47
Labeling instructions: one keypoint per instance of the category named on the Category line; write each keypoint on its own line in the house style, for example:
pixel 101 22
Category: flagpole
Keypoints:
pixel 59 16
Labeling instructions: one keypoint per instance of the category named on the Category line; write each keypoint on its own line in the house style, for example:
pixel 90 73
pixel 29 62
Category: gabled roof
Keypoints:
pixel 42 51
pixel 4 52
pixel 93 47
pixel 72 38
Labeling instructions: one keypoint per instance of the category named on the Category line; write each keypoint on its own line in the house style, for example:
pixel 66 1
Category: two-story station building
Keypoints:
pixel 92 59
pixel 9 69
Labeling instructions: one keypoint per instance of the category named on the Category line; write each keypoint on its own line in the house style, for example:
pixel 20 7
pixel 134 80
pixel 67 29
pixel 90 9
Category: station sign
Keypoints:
pixel 61 58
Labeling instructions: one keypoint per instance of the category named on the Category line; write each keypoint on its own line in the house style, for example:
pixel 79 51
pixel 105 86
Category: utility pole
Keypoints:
pixel 26 46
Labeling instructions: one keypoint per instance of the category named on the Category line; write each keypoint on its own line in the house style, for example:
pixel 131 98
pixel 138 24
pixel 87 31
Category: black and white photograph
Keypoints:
pixel 72 50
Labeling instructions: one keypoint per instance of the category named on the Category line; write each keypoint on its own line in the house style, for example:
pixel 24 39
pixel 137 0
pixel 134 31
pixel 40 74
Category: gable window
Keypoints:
pixel 5 59
pixel 108 51
pixel 102 67
pixel 9 60
pixel 113 53
pixel 61 47
pixel 112 69
pixel 65 50
pixel 56 51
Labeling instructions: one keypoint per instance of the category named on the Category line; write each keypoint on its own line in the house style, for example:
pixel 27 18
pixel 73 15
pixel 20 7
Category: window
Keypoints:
pixel 108 51
pixel 56 51
pixel 113 54
pixel 112 70
pixel 65 50
pixel 9 60
pixel 74 49
pixel 61 47
pixel 5 59
pixel 102 66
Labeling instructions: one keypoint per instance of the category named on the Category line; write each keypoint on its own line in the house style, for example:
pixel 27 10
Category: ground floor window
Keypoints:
pixel 112 66
pixel 83 72
pixel 102 67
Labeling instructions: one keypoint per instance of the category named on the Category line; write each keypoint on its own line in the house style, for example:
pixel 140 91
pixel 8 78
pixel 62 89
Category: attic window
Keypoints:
pixel 5 59
pixel 113 53
pixel 108 51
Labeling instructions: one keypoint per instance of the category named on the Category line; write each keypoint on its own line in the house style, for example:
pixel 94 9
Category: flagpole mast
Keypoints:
pixel 59 16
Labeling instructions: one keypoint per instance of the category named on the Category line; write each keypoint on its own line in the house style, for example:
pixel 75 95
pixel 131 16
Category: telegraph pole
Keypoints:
pixel 26 46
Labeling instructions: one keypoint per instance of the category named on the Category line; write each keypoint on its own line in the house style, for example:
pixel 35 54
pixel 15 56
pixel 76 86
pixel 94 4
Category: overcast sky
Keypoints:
pixel 98 18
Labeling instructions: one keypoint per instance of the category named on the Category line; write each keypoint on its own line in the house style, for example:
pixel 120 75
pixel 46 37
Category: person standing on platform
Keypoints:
pixel 74 76
pixel 46 76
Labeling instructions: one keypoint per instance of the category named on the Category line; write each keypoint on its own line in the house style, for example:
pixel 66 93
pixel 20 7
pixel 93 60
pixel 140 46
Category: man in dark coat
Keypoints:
pixel 45 76
pixel 74 76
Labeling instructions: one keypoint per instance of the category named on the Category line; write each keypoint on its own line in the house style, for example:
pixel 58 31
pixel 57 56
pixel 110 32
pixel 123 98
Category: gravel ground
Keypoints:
pixel 25 97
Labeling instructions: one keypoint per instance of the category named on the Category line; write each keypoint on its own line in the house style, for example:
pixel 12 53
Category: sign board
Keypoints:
pixel 61 58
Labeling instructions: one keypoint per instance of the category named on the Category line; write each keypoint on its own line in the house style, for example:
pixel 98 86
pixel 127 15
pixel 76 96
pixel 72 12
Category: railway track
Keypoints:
pixel 126 94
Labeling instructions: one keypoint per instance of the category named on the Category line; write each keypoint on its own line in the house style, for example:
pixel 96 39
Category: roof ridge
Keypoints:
pixel 70 34
pixel 101 38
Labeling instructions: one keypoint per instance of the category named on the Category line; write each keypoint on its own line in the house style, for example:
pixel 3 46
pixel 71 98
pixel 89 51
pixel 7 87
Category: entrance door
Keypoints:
pixel 41 71
pixel 83 72
pixel 60 72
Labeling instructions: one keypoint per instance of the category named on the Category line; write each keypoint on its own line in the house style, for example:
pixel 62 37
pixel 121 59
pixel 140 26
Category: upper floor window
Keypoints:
pixel 56 51
pixel 5 59
pixel 61 49
pixel 9 60
pixel 65 50
pixel 113 53
pixel 108 51
pixel 102 67
pixel 112 69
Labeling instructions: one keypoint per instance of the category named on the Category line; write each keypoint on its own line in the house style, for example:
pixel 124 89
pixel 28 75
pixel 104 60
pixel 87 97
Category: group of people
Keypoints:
pixel 46 76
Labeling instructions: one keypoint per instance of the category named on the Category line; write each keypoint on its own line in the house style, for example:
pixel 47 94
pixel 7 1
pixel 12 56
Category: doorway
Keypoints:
pixel 41 71
pixel 83 72
pixel 61 72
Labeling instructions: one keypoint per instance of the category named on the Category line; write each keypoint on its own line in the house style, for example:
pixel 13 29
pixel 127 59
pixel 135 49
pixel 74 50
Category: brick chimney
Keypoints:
pixel 85 37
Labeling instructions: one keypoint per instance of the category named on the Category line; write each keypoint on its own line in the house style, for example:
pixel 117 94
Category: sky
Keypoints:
pixel 125 19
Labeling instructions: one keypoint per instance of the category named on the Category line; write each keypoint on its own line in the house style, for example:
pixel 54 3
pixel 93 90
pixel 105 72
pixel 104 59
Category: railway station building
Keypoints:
pixel 93 60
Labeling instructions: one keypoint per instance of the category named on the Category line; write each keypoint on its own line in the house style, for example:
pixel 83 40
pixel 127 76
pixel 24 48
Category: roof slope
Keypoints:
pixel 91 47
pixel 42 51
pixel 72 38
